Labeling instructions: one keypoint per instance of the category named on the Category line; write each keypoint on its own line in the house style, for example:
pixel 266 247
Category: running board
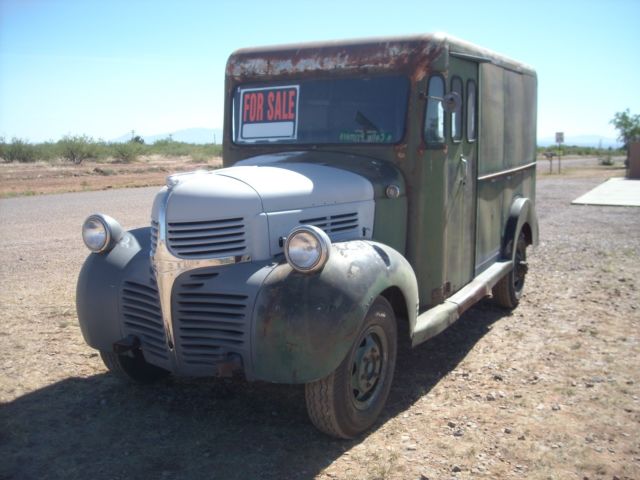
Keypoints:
pixel 436 319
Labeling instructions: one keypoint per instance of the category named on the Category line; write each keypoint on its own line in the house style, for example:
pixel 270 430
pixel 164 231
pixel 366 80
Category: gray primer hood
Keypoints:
pixel 245 210
pixel 301 185
pixel 278 187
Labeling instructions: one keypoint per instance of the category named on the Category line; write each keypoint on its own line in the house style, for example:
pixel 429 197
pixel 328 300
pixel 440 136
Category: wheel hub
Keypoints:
pixel 367 369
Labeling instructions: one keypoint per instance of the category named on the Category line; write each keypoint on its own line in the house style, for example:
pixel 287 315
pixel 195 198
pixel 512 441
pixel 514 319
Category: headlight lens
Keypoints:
pixel 100 233
pixel 307 248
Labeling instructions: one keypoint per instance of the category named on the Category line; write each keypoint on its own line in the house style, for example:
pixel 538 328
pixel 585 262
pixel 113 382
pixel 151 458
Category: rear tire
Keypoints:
pixel 507 292
pixel 134 369
pixel 349 400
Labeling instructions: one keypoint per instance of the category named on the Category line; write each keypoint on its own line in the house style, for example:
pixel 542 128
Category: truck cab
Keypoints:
pixel 365 183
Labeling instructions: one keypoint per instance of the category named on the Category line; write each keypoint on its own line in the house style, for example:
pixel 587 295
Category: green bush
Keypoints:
pixel 20 151
pixel 46 151
pixel 126 152
pixel 77 148
pixel 576 150
pixel 170 148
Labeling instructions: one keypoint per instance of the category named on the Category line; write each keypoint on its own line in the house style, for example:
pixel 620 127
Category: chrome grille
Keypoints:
pixel 154 236
pixel 207 238
pixel 334 223
pixel 143 318
pixel 210 325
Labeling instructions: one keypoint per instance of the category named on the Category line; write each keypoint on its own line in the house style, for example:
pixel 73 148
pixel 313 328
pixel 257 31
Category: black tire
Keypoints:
pixel 134 369
pixel 507 292
pixel 349 400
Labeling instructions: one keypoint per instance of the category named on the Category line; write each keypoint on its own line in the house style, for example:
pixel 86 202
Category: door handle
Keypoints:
pixel 465 169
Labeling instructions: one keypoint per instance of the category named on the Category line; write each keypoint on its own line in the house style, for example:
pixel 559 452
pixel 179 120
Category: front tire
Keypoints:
pixel 507 292
pixel 349 400
pixel 133 368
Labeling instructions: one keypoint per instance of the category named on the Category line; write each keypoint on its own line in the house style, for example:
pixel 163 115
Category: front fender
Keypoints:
pixel 305 324
pixel 99 285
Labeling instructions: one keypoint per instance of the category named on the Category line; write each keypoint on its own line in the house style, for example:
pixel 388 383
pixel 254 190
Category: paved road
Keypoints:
pixel 59 217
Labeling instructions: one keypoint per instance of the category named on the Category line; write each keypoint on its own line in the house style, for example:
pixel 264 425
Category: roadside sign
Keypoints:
pixel 559 137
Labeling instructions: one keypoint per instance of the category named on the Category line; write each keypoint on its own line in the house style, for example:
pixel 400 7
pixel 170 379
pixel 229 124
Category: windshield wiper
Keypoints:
pixel 367 124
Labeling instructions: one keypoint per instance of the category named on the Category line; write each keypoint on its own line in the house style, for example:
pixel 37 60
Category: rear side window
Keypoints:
pixel 456 116
pixel 434 114
pixel 471 111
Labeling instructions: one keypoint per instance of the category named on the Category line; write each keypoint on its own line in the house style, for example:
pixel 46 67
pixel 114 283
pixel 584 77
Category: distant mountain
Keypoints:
pixel 189 135
pixel 582 141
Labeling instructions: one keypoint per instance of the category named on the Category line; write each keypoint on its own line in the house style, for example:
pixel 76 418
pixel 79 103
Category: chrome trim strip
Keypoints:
pixel 167 268
pixel 507 172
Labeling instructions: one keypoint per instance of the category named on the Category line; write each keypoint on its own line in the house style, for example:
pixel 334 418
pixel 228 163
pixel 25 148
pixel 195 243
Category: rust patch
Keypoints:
pixel 401 151
pixel 412 56
pixel 437 296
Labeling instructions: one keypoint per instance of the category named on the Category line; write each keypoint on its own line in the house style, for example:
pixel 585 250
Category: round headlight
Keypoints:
pixel 307 248
pixel 100 232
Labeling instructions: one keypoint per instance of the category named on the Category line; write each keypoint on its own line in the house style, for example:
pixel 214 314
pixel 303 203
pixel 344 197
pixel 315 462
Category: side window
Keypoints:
pixel 456 116
pixel 472 127
pixel 434 115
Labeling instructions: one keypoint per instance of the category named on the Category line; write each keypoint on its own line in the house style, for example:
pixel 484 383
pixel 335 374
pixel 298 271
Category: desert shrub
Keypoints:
pixel 198 152
pixel 204 153
pixel 102 150
pixel 20 150
pixel 169 148
pixel 3 147
pixel 211 149
pixel 126 152
pixel 46 151
pixel 77 148
pixel 606 158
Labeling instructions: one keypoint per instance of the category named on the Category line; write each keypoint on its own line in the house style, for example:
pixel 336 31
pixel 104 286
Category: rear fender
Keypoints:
pixel 522 214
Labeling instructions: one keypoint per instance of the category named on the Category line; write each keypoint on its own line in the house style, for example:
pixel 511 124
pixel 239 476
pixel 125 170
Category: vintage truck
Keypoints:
pixel 365 183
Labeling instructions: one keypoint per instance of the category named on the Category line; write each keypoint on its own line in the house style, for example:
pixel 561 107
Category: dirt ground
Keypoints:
pixel 548 391
pixel 24 179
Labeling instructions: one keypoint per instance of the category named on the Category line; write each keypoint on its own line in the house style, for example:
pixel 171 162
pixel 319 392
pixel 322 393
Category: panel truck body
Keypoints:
pixel 365 183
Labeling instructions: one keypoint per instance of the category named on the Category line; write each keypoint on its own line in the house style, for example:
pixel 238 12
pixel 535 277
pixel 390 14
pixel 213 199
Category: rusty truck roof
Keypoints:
pixel 411 53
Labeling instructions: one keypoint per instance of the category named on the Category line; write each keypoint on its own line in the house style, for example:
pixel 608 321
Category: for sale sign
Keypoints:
pixel 269 113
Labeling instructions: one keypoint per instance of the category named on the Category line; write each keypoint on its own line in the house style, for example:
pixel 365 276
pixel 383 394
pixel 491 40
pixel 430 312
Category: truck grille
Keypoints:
pixel 334 223
pixel 154 236
pixel 207 238
pixel 210 325
pixel 143 318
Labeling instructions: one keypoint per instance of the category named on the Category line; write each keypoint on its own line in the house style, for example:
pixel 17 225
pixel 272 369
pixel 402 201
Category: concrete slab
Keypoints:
pixel 615 191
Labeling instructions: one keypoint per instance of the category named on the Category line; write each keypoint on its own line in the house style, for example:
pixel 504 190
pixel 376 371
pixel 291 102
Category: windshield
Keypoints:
pixel 321 111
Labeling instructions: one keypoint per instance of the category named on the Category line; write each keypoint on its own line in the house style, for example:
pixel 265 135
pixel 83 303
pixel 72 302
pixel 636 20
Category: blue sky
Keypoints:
pixel 104 68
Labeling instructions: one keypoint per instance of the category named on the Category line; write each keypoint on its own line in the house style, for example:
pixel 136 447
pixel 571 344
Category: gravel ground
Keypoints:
pixel 548 391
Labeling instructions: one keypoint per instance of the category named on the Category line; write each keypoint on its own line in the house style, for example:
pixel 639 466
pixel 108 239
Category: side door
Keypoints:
pixel 461 174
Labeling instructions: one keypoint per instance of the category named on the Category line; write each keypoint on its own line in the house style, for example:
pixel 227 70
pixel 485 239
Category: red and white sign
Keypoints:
pixel 269 113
